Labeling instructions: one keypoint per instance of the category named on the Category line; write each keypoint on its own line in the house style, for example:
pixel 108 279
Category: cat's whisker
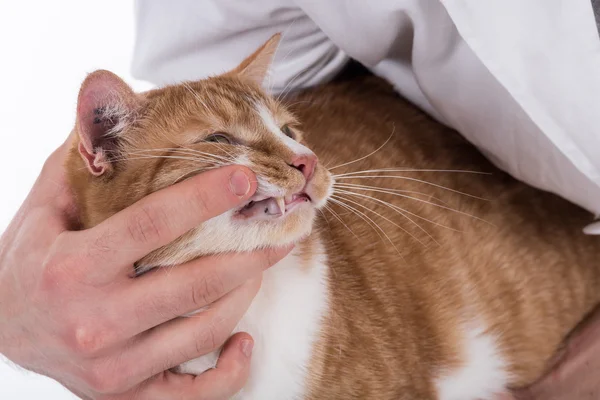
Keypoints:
pixel 370 171
pixel 291 105
pixel 204 161
pixel 325 217
pixel 271 82
pixel 185 151
pixel 341 220
pixel 430 203
pixel 383 217
pixel 143 157
pixel 342 202
pixel 182 147
pixel 283 92
pixel 178 154
pixel 413 180
pixel 368 155
pixel 194 171
pixel 400 211
pixel 359 214
pixel 289 85
pixel 223 148
pixel 201 101
pixel 388 190
pixel 196 95
pixel 184 156
pixel 399 208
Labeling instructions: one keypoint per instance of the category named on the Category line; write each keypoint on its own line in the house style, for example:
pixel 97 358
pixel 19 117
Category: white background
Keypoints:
pixel 46 49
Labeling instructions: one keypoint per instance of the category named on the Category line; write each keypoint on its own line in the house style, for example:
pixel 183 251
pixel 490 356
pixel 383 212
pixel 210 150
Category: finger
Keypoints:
pixel 164 294
pixel 219 383
pixel 184 339
pixel 51 188
pixel 231 372
pixel 115 244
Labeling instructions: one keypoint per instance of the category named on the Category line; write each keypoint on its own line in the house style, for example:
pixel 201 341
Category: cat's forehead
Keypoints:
pixel 223 105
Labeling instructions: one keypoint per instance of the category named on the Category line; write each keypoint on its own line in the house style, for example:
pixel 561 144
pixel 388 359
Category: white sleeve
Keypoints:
pixel 519 79
pixel 192 39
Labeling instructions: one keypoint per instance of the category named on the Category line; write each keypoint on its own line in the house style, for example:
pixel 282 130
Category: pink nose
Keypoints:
pixel 306 164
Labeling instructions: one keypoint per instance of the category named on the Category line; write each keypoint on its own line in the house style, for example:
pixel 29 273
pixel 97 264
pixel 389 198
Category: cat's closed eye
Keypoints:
pixel 286 130
pixel 218 138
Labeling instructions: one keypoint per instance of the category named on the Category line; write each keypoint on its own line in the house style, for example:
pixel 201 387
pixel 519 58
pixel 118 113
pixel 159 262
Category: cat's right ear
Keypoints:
pixel 105 107
pixel 256 66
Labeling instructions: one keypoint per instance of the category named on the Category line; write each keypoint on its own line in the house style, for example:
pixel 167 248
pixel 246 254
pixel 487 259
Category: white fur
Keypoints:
pixel 483 372
pixel 284 320
pixel 269 121
pixel 120 114
pixel 264 186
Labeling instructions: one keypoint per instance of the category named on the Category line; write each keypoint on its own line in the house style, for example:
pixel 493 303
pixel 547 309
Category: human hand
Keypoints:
pixel 70 309
pixel 574 372
pixel 576 375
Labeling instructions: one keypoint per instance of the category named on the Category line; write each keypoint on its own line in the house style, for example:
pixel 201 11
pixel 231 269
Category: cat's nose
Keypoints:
pixel 306 164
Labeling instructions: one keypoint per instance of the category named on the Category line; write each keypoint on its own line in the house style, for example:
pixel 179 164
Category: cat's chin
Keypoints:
pixel 228 233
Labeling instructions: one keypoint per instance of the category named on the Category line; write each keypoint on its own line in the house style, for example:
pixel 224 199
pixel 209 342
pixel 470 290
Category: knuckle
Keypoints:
pixel 209 339
pixel 210 289
pixel 146 224
pixel 87 340
pixel 55 271
pixel 101 245
pixel 102 378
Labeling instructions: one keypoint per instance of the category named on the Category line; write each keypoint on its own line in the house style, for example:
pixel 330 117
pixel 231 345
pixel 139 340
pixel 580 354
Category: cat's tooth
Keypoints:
pixel 281 203
pixel 289 198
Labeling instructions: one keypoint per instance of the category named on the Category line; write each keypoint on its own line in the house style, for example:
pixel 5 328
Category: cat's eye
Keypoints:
pixel 217 138
pixel 287 131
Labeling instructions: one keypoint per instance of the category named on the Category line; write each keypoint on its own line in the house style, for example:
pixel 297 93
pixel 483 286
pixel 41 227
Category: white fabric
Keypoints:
pixel 520 79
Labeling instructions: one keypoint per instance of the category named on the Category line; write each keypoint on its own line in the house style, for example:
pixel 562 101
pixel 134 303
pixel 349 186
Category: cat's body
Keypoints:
pixel 459 311
pixel 486 308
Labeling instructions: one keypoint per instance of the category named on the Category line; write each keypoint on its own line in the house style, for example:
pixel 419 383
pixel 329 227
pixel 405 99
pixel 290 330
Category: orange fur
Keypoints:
pixel 398 297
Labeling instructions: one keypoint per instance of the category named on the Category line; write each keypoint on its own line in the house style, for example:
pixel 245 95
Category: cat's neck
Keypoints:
pixel 285 321
pixel 306 252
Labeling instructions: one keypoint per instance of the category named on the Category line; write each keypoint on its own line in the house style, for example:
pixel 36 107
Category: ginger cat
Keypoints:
pixel 404 283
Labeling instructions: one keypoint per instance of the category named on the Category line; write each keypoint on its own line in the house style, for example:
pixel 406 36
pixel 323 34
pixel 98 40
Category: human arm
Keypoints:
pixel 70 309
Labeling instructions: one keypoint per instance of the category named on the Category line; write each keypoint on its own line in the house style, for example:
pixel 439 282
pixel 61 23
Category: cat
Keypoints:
pixel 420 270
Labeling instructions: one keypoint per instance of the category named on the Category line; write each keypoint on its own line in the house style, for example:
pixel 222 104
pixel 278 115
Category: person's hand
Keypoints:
pixel 576 376
pixel 575 369
pixel 70 309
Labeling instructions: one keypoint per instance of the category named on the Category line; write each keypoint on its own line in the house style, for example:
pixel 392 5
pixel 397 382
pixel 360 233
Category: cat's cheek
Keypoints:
pixel 320 188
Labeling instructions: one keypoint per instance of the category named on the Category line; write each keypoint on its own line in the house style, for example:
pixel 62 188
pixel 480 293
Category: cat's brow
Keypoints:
pixel 269 121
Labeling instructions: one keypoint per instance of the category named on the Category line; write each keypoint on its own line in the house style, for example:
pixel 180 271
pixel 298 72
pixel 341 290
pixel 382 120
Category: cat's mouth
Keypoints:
pixel 273 206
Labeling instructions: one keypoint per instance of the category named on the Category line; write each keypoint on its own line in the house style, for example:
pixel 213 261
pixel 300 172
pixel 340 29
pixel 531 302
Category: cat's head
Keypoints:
pixel 130 145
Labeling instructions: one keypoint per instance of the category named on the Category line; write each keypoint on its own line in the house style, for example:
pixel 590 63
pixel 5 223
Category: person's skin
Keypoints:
pixel 70 309
pixel 576 374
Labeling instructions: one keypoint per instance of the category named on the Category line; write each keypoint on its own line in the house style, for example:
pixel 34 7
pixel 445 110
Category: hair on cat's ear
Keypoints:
pixel 256 66
pixel 105 107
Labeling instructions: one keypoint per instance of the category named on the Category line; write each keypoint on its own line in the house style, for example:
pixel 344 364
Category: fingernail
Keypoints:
pixel 239 183
pixel 247 346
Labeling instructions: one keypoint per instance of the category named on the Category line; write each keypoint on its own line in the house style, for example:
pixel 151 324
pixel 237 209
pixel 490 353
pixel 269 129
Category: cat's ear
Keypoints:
pixel 256 66
pixel 105 107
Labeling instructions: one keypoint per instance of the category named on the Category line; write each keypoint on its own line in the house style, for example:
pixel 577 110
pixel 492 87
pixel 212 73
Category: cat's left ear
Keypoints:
pixel 256 66
pixel 106 106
